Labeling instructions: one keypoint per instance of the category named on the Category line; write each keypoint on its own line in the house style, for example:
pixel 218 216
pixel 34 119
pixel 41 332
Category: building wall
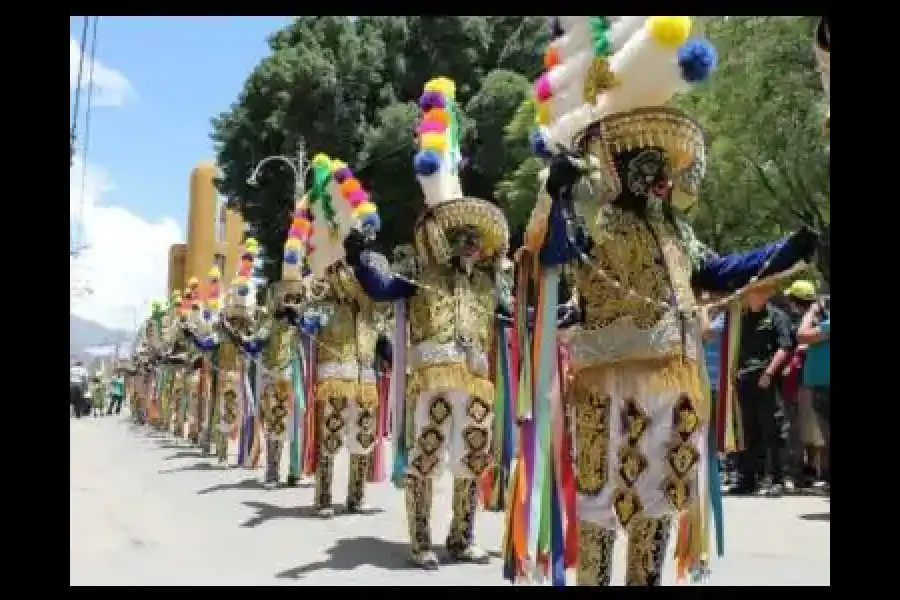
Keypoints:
pixel 201 227
pixel 177 264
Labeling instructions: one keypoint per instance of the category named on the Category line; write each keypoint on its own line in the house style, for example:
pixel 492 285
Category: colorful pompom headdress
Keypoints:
pixel 437 166
pixel 242 291
pixel 604 91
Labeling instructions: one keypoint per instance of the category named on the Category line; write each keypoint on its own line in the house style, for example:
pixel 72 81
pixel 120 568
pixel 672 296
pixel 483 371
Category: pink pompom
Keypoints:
pixel 430 126
pixel 542 88
pixel 357 197
pixel 295 232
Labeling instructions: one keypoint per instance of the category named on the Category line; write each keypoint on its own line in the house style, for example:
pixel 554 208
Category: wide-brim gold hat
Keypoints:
pixel 485 218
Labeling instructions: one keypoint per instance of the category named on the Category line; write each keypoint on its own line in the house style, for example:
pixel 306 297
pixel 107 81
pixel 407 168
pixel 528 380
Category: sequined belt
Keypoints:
pixel 271 376
pixel 345 371
pixel 622 340
pixel 428 354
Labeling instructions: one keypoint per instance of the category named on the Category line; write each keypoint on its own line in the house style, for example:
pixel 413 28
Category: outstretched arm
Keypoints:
pixel 373 273
pixel 731 272
pixel 566 240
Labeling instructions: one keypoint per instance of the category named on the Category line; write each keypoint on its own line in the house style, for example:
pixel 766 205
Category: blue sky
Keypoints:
pixel 158 82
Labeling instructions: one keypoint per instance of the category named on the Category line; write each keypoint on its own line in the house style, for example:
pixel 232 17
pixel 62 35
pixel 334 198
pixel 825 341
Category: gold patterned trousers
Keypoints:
pixel 638 447
pixel 195 407
pixel 178 404
pixel 452 428
pixel 348 417
pixel 228 411
pixel 276 408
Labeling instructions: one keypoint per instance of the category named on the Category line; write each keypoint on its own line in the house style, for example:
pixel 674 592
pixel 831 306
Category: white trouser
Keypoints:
pixel 451 426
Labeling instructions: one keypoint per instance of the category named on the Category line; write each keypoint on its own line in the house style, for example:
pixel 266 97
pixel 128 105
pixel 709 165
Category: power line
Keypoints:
pixel 72 134
pixel 79 223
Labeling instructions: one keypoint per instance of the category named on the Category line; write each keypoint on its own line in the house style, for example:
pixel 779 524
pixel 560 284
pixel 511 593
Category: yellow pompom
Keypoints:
pixel 444 85
pixel 337 165
pixel 193 282
pixel 366 208
pixel 543 113
pixel 214 273
pixel 321 160
pixel 669 31
pixel 251 245
pixel 434 141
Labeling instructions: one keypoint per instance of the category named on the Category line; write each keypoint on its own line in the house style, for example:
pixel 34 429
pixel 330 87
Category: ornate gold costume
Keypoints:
pixel 345 386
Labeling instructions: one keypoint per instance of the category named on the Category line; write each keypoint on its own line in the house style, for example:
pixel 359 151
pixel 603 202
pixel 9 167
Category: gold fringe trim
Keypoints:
pixel 653 377
pixel 368 395
pixel 337 388
pixel 455 376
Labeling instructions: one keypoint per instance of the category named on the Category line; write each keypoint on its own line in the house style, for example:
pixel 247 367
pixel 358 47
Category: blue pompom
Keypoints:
pixel 427 162
pixel 697 59
pixel 373 221
pixel 538 144
pixel 291 258
pixel 207 314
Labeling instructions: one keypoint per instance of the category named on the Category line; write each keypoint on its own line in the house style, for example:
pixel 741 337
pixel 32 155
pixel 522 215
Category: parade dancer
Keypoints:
pixel 196 379
pixel 343 321
pixel 206 341
pixel 460 244
pixel 183 357
pixel 642 451
pixel 276 337
pixel 236 323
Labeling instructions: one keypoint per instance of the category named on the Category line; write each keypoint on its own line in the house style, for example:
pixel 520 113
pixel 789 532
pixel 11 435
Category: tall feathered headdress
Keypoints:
pixel 437 166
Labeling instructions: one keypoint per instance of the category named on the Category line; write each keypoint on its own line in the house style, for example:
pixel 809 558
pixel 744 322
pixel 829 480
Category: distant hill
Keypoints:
pixel 84 334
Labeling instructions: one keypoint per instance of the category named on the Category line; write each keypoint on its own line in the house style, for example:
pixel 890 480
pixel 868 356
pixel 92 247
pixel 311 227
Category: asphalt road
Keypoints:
pixel 146 510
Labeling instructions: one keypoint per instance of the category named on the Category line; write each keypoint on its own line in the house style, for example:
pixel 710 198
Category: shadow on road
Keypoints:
pixel 251 483
pixel 823 517
pixel 185 454
pixel 351 553
pixel 268 512
pixel 199 466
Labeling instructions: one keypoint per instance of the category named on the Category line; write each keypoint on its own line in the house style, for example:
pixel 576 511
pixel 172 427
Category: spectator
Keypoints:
pixel 815 330
pixel 98 394
pixel 116 393
pixel 797 401
pixel 78 385
pixel 763 350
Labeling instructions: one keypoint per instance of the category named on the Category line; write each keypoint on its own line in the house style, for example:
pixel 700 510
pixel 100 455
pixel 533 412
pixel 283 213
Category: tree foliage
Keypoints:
pixel 348 87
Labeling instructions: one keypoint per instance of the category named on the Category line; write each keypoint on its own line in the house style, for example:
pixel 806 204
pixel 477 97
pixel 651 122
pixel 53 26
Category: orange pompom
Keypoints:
pixel 551 58
pixel 439 115
pixel 350 185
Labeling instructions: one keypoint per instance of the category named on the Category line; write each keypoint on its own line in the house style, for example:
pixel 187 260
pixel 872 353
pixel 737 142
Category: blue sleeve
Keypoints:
pixel 733 271
pixel 381 285
pixel 558 249
pixel 310 324
pixel 825 326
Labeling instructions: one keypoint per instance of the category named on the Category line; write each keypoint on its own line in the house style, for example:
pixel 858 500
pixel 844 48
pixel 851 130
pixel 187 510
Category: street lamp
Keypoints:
pixel 299 167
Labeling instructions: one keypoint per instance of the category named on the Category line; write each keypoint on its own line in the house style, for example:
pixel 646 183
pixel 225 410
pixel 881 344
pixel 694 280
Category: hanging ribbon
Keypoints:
pixel 311 444
pixel 399 405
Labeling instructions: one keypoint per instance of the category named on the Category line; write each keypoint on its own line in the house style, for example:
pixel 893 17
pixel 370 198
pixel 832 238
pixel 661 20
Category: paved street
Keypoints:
pixel 146 510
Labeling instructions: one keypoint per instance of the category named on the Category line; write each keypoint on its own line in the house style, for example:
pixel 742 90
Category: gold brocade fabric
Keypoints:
pixel 227 355
pixel 634 258
pixel 277 354
pixel 336 343
pixel 452 306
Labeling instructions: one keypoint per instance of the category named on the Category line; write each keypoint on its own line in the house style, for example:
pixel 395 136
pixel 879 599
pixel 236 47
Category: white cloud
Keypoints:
pixel 111 87
pixel 125 263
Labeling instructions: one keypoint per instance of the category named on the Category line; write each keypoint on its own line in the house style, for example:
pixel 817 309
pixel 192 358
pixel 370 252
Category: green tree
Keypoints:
pixel 348 87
